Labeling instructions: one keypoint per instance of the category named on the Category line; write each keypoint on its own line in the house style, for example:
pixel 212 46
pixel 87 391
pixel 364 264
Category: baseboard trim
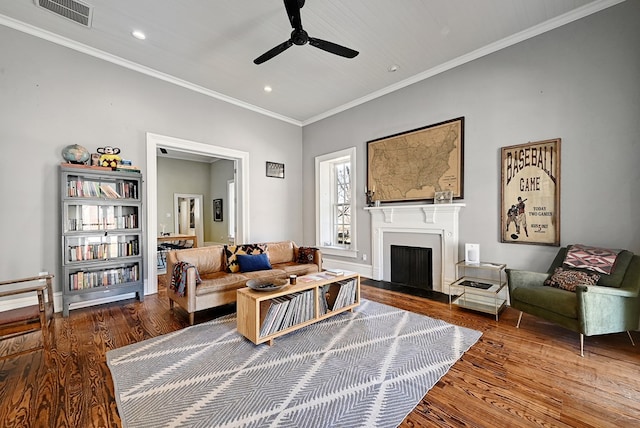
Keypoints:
pixel 7 305
pixel 21 302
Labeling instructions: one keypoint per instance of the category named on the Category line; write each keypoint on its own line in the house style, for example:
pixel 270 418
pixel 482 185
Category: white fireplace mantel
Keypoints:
pixel 437 219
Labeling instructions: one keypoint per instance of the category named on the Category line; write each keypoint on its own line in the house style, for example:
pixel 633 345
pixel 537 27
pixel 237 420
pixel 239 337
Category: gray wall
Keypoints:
pixel 579 82
pixel 51 96
pixel 180 176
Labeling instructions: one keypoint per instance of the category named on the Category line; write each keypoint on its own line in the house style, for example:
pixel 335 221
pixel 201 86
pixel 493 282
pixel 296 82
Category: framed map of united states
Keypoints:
pixel 416 164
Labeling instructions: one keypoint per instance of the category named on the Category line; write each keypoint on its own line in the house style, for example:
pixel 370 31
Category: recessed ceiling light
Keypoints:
pixel 268 89
pixel 393 68
pixel 138 35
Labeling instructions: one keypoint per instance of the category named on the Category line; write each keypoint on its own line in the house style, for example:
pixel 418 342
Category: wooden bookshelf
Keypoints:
pixel 253 306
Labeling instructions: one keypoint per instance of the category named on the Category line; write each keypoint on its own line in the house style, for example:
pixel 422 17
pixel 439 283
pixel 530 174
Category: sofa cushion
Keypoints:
pixel 569 279
pixel 297 268
pixel 265 274
pixel 280 252
pixel 206 259
pixel 619 270
pixel 231 252
pixel 220 281
pixel 253 262
pixel 559 301
pixel 306 254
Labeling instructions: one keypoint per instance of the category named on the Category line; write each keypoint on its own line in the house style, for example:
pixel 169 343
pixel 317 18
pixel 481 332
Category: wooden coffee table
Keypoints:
pixel 265 315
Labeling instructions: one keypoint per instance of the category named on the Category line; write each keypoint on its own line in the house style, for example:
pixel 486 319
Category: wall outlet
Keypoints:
pixel 364 257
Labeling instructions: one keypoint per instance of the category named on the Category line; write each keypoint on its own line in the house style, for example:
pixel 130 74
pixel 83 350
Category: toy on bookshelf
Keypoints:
pixel 109 156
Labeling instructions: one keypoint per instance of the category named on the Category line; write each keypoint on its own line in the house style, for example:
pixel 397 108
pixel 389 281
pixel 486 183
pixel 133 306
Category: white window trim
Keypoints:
pixel 337 251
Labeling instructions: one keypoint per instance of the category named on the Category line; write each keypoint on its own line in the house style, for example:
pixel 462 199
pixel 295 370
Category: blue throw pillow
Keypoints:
pixel 251 263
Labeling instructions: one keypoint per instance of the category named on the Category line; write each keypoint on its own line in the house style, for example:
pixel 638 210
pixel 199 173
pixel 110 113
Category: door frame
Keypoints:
pixel 154 141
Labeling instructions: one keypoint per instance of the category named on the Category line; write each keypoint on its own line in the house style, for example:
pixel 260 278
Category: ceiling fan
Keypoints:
pixel 300 37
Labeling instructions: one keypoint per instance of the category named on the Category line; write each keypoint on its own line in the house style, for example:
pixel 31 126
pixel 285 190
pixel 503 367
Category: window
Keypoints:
pixel 335 204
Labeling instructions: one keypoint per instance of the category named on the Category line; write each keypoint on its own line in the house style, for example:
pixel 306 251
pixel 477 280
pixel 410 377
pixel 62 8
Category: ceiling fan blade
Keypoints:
pixel 333 48
pixel 273 52
pixel 293 12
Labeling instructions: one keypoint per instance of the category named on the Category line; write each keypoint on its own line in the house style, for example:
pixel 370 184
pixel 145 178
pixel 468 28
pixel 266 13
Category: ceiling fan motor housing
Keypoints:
pixel 299 37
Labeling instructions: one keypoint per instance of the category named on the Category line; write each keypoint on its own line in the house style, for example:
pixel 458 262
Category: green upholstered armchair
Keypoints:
pixel 613 306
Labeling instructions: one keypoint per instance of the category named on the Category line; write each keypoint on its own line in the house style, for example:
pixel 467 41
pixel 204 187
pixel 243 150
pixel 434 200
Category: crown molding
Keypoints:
pixel 536 30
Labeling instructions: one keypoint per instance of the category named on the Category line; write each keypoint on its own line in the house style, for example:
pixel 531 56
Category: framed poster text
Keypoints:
pixel 530 193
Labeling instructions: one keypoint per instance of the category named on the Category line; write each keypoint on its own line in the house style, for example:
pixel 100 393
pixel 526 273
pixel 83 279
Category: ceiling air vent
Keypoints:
pixel 71 9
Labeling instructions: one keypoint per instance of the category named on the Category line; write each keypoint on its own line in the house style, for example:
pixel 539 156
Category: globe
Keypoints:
pixel 75 153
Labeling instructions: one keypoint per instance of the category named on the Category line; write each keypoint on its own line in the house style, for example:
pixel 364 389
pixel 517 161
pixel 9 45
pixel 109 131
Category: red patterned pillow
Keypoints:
pixel 568 279
pixel 306 254
pixel 595 259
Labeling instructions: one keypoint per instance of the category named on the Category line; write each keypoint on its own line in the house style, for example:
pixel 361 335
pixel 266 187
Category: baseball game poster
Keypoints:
pixel 530 197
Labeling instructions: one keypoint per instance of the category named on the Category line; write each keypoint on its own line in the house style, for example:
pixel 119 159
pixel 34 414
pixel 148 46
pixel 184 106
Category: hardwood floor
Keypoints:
pixel 532 376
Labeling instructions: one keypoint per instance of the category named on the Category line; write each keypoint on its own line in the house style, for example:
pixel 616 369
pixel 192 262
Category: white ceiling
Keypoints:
pixel 209 45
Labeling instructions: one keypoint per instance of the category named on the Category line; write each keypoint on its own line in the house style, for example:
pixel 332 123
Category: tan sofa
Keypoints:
pixel 218 287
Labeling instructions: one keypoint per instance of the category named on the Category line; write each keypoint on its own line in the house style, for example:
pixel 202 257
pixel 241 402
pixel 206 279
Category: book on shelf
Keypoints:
pixel 128 168
pixel 347 294
pixel 287 311
pixel 82 280
pixel 323 306
pixel 108 191
pixel 274 315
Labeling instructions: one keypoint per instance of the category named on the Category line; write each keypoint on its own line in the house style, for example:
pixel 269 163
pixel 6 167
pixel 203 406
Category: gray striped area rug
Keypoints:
pixel 368 368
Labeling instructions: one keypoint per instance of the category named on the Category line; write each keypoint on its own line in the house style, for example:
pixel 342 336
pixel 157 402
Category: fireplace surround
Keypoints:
pixel 440 220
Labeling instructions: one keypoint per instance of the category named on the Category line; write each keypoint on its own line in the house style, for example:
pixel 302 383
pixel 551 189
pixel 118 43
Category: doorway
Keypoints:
pixel 188 216
pixel 241 179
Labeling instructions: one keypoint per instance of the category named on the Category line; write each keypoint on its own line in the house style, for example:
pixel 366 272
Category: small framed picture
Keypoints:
pixel 217 210
pixel 444 197
pixel 275 169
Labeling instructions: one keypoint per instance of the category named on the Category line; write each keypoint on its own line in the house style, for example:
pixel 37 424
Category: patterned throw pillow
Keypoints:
pixel 595 259
pixel 568 279
pixel 231 252
pixel 306 254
